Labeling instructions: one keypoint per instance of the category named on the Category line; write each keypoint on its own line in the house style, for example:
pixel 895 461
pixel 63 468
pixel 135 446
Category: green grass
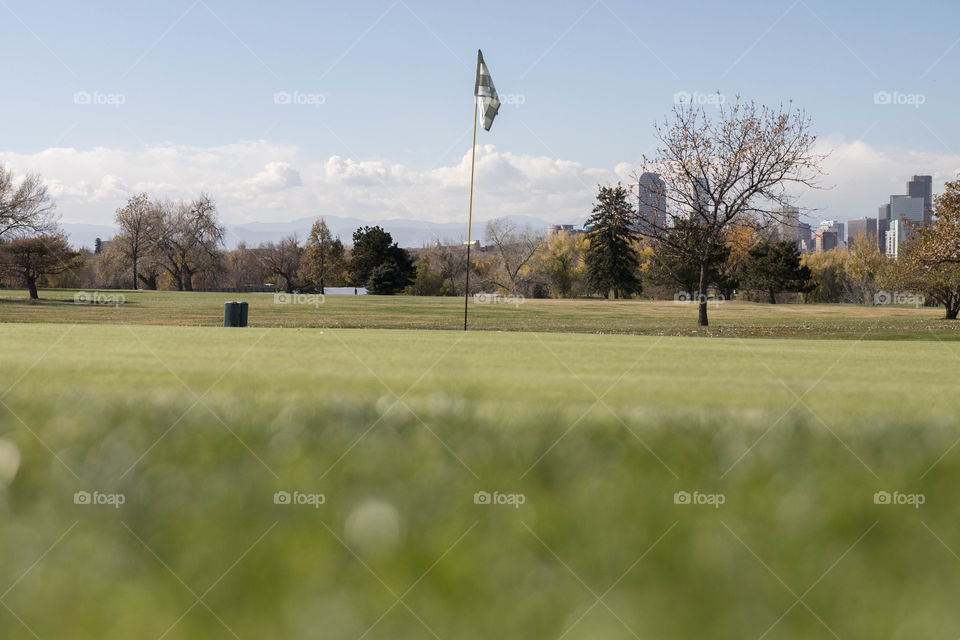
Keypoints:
pixel 737 319
pixel 198 427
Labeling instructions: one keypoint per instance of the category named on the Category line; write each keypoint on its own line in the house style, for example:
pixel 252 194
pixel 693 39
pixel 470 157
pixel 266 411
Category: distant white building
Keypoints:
pixel 563 229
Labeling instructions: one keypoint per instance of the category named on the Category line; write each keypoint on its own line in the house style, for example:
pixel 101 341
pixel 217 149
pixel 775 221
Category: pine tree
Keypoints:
pixel 611 257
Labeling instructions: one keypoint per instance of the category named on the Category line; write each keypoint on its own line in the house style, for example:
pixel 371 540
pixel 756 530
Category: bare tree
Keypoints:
pixel 283 260
pixel 245 267
pixel 734 168
pixel 136 220
pixel 25 207
pixel 187 239
pixel 513 247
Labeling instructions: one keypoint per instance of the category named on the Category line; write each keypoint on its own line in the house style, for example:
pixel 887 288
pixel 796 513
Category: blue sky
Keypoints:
pixel 390 87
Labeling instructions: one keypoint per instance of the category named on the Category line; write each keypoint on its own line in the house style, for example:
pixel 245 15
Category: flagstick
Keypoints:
pixel 473 158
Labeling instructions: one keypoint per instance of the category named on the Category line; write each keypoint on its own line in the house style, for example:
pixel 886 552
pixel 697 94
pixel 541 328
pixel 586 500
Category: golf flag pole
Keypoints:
pixel 473 158
pixel 484 96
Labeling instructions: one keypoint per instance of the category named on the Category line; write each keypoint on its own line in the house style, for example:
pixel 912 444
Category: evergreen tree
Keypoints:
pixel 775 267
pixel 611 256
pixel 372 247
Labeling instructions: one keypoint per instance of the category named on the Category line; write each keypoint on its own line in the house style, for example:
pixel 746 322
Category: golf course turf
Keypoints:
pixel 484 484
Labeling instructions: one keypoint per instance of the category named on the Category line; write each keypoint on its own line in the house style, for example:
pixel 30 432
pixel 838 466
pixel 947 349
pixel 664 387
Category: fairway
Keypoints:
pixel 643 317
pixel 585 439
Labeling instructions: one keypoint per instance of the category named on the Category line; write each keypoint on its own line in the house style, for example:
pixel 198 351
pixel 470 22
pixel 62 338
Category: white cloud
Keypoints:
pixel 260 181
pixel 860 177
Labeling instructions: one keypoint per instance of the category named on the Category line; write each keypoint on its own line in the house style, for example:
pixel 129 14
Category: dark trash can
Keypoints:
pixel 235 314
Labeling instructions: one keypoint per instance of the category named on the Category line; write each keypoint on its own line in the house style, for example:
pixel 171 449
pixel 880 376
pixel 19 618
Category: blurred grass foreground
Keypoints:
pixel 191 482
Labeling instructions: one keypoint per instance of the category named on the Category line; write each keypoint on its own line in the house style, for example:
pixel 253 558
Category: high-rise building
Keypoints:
pixel 651 202
pixel 922 187
pixel 787 223
pixel 905 207
pixel 861 226
pixel 804 238
pixel 835 227
pixel 825 240
pixel 910 208
pixel 883 224
pixel 789 227
pixel 895 235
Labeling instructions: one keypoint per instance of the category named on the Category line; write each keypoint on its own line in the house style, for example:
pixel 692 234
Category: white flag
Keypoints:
pixel 489 101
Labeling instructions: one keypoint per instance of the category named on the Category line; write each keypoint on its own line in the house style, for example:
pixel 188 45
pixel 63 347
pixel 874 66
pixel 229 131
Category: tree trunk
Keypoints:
pixel 773 297
pixel 134 272
pixel 322 291
pixel 952 313
pixel 702 297
pixel 32 285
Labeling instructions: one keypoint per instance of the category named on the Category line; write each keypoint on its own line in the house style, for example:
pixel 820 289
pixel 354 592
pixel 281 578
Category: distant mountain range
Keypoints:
pixel 406 232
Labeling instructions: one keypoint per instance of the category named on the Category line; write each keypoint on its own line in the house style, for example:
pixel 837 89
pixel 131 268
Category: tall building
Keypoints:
pixel 835 227
pixel 861 226
pixel 787 226
pixel 883 224
pixel 922 187
pixel 905 207
pixel 651 202
pixel 804 238
pixel 895 235
pixel 910 208
pixel 824 240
